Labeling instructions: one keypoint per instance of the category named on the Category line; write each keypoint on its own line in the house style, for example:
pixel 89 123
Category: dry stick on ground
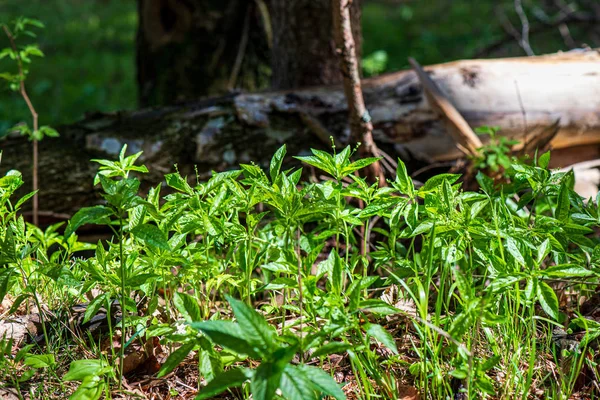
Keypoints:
pixel 360 120
pixel 461 131
pixel 34 115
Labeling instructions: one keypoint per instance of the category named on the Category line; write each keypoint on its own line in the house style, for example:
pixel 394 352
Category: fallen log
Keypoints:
pixel 519 95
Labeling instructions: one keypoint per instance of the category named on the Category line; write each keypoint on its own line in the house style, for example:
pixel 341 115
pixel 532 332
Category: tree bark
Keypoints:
pixel 361 127
pixel 303 45
pixel 518 95
pixel 192 48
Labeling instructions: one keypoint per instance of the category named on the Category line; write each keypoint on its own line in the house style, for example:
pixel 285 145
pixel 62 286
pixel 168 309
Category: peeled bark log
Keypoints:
pixel 517 95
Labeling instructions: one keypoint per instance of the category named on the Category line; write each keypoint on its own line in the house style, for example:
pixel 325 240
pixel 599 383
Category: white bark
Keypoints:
pixel 515 94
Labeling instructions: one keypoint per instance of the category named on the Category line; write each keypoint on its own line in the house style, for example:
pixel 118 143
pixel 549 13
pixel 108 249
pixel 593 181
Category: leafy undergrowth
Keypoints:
pixel 256 283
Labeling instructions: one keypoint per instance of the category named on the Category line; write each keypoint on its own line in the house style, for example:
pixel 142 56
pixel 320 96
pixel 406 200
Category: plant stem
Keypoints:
pixel 37 304
pixel 249 272
pixel 35 200
pixel 283 311
pixel 122 301
pixel 365 252
pixel 300 294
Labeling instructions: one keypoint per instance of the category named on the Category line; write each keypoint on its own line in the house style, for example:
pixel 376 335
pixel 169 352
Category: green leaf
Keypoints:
pixel 80 369
pixel 485 182
pixel 377 306
pixel 33 22
pixel 331 348
pixel 502 282
pixel 434 182
pixel 27 375
pixel 38 361
pixel 548 299
pixel 88 215
pixel 577 229
pixel 322 381
pixel 563 204
pixel 152 236
pixel 359 164
pixel 319 162
pixel 256 330
pixel 276 162
pixel 229 379
pixel 423 227
pixel 447 195
pixel 543 251
pixel 295 385
pixel 210 363
pixel 267 378
pixel 341 158
pixel 513 249
pixel 279 267
pixel 566 271
pixel 403 181
pixel 91 388
pixel 377 206
pixel 531 288
pixel 378 332
pixel 119 193
pixel 265 381
pixel 175 358
pixel 33 50
pixel 47 131
pixel 544 160
pixel 94 305
pixel 227 334
pixel 335 272
pixel 187 306
pixel 8 251
pixel 176 181
pixel 5 274
pixel 24 199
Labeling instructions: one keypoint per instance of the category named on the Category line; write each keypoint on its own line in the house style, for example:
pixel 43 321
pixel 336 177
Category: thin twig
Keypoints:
pixel 524 28
pixel 432 166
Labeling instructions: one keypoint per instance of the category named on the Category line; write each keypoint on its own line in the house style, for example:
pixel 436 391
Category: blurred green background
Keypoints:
pixel 89 63
pixel 90 47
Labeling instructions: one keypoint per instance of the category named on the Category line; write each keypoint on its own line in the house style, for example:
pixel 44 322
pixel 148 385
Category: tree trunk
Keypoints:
pixel 303 43
pixel 361 127
pixel 192 48
pixel 517 95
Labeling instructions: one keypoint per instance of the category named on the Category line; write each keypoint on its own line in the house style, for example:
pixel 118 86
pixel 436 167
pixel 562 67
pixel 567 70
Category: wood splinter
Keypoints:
pixel 466 140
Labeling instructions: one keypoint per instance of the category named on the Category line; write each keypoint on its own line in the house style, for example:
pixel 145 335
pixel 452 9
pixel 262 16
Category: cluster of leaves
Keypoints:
pixel 495 155
pixel 478 269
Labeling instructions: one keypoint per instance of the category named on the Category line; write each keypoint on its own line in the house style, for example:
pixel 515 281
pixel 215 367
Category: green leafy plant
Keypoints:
pixel 331 269
pixel 375 63
pixel 90 373
pixel 120 192
pixel 495 154
pixel 22 55
pixel 252 336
